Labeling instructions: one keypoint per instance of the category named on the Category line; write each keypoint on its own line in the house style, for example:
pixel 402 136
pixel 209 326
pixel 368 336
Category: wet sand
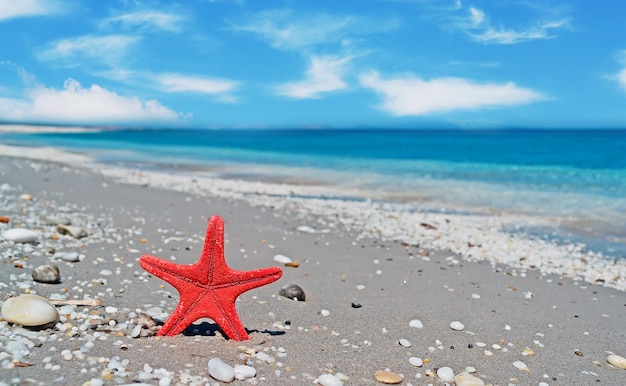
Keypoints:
pixel 566 327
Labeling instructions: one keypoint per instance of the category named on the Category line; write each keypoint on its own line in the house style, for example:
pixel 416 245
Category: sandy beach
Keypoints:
pixel 560 325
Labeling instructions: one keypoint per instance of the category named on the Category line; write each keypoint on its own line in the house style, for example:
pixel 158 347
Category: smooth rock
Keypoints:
pixel 47 274
pixel 4 219
pixel 387 377
pixel 329 380
pixel 445 374
pixel 20 235
pixel 282 259
pixel 520 365
pixel 221 370
pixel 243 372
pixel 72 230
pixel 67 256
pixel 404 343
pixel 29 310
pixel 457 326
pixel 306 229
pixel 16 348
pixel 292 291
pixel 415 323
pixel 415 361
pixel 616 361
pixel 26 197
pixel 467 379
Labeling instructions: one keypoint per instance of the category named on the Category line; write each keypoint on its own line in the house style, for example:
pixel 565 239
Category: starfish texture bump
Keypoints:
pixel 209 287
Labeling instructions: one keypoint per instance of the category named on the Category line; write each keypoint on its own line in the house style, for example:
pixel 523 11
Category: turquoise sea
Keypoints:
pixel 577 178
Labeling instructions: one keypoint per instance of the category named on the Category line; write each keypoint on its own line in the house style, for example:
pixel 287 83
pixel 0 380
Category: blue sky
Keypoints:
pixel 322 63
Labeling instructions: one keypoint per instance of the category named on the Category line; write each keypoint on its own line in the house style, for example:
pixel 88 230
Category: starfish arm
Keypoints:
pixel 245 281
pixel 176 274
pixel 187 311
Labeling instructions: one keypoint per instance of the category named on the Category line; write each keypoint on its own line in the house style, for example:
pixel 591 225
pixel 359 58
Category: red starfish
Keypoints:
pixel 209 287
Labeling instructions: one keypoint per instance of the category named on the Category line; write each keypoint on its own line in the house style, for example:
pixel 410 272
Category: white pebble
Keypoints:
pixel 106 272
pixel 404 342
pixel 416 323
pixel 325 312
pixel 28 310
pixel 20 235
pixel 221 370
pixel 475 296
pixel 445 374
pixel 466 379
pixel 415 361
pixel 110 310
pixel 329 380
pixel 520 365
pixel 282 259
pixel 457 326
pixel 243 372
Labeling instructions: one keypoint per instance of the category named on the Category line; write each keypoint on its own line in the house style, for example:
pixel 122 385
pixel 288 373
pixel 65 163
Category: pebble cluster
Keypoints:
pixel 36 237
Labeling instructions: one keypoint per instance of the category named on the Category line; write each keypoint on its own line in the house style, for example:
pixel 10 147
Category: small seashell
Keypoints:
pixel 293 264
pixel 72 230
pixel 282 259
pixel 404 343
pixel 26 197
pixel 29 310
pixel 415 361
pixel 467 379
pixel 20 235
pixel 306 229
pixel 329 380
pixel 616 361
pixel 292 291
pixel 221 370
pixel 4 219
pixel 47 274
pixel 387 377
pixel 146 321
pixel 457 326
pixel 445 374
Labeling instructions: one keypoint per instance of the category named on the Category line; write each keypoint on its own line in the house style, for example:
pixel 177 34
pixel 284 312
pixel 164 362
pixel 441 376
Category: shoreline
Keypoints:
pixel 475 236
pixel 562 329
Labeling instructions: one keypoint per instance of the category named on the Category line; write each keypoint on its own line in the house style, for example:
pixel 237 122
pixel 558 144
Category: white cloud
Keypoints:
pixel 185 83
pixel 147 20
pixel 324 75
pixel 621 78
pixel 410 95
pixel 477 26
pixel 108 48
pixel 75 104
pixel 11 9
pixel 284 30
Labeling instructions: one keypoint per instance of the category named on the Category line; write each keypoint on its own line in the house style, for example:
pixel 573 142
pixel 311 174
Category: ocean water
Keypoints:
pixel 574 178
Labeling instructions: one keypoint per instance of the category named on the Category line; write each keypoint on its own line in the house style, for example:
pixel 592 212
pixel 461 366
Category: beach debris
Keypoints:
pixel 67 256
pixel 292 291
pixel 404 343
pixel 415 361
pixel 306 229
pixel 243 372
pixel 47 273
pixel 4 219
pixel 53 220
pixel 329 380
pixel 293 264
pixel 356 305
pixel 387 377
pixel 208 288
pixel 29 310
pixel 26 197
pixel 76 302
pixel 20 235
pixel 520 365
pixel 616 361
pixel 445 374
pixel 282 259
pixel 221 370
pixel 72 230
pixel 416 323
pixel 467 379
pixel 457 326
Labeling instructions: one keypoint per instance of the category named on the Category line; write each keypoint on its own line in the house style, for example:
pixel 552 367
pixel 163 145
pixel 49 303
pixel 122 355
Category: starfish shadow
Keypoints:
pixel 211 329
